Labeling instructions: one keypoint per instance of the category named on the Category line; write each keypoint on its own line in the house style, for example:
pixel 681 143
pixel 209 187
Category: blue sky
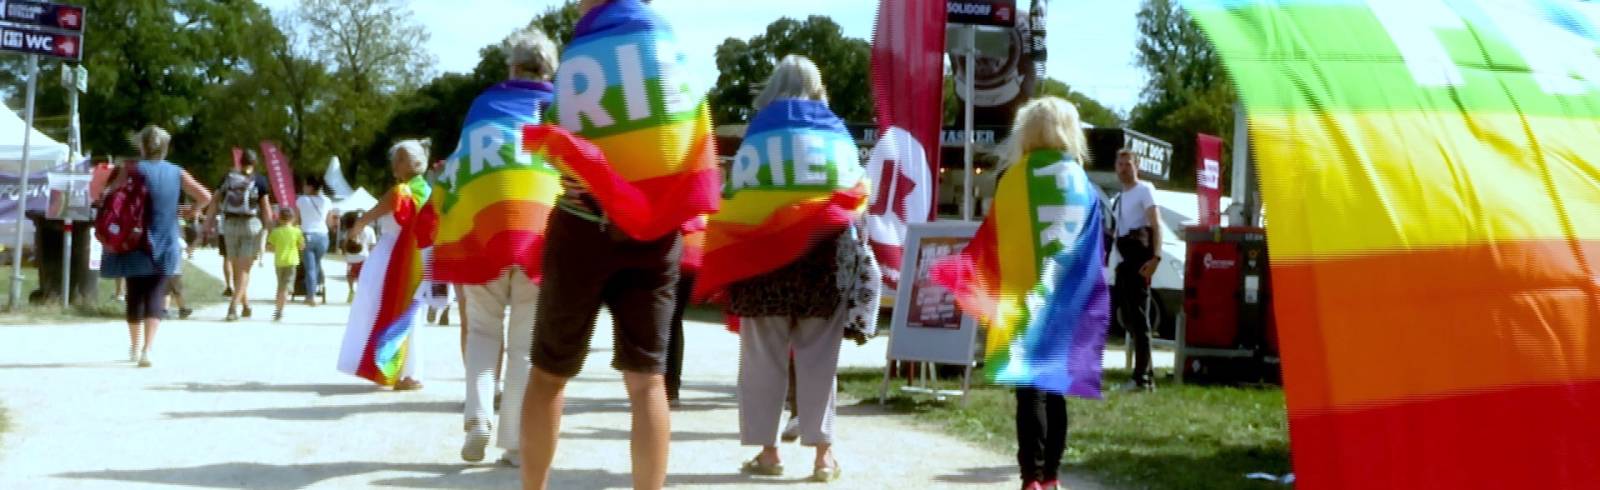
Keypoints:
pixel 1091 41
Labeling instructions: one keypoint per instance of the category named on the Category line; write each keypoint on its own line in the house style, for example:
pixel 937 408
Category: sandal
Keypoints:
pixel 826 474
pixel 755 467
pixel 408 384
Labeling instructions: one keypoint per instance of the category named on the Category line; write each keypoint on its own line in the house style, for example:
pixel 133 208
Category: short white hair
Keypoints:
pixel 531 52
pixel 795 77
pixel 416 149
pixel 152 142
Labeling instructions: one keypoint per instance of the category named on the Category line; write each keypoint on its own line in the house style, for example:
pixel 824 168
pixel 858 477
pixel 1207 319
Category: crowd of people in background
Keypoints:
pixel 529 313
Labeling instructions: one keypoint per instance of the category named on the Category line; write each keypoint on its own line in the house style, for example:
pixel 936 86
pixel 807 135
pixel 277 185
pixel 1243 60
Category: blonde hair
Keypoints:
pixel 1045 123
pixel 795 77
pixel 532 53
pixel 152 142
pixel 416 149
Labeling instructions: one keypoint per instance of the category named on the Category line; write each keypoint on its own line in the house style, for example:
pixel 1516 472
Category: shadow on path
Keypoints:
pixel 982 475
pixel 326 412
pixel 71 365
pixel 603 434
pixel 256 387
pixel 266 476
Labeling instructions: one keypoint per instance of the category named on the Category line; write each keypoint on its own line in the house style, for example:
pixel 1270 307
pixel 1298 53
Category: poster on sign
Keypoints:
pixel 926 325
pixel 1208 179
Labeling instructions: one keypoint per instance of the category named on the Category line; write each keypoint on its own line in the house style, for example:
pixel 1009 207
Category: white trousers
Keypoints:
pixel 487 333
pixel 764 346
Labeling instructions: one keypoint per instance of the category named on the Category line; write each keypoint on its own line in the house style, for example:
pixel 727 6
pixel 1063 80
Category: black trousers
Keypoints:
pixel 1041 434
pixel 675 336
pixel 1131 297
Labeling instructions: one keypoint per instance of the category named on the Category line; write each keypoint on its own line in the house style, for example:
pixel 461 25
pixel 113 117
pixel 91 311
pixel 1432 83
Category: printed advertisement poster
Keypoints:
pixel 933 306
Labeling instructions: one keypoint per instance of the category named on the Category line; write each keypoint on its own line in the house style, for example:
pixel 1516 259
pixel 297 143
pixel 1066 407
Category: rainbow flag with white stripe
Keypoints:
pixel 1034 274
pixel 632 130
pixel 494 199
pixel 1432 173
pixel 384 356
pixel 796 180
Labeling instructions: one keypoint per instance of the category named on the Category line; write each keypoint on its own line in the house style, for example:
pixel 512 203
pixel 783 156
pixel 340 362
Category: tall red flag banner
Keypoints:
pixel 238 158
pixel 1208 179
pixel 279 175
pixel 907 90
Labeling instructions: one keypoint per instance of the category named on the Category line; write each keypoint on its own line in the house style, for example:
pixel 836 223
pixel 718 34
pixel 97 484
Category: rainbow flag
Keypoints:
pixel 632 130
pixel 494 199
pixel 796 180
pixel 1034 274
pixel 1432 174
pixel 386 352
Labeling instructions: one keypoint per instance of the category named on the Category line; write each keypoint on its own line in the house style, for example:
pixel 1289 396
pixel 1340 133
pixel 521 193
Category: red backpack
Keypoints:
pixel 120 222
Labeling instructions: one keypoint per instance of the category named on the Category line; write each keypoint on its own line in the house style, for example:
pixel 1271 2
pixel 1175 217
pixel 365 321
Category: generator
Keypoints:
pixel 1227 301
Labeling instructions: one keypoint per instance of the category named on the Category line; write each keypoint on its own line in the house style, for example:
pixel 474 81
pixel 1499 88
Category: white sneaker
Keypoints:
pixel 144 360
pixel 477 440
pixel 512 458
pixel 133 353
pixel 791 432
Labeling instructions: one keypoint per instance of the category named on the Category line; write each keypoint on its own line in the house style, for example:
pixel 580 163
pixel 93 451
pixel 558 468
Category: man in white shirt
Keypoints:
pixel 1139 243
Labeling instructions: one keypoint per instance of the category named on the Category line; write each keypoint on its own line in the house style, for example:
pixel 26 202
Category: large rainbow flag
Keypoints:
pixel 1431 169
pixel 632 130
pixel 493 198
pixel 1034 274
pixel 384 355
pixel 796 180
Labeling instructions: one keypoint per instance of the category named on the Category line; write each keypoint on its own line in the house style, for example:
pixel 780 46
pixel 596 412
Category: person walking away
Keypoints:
pixel 633 173
pixel 315 212
pixel 694 242
pixel 1047 307
pixel 1138 242
pixel 175 285
pixel 242 203
pixel 491 232
pixel 147 270
pixel 777 262
pixel 287 243
pixel 385 319
pixel 356 245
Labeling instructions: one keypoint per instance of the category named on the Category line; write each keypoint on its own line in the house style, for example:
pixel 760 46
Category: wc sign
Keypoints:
pixel 42 28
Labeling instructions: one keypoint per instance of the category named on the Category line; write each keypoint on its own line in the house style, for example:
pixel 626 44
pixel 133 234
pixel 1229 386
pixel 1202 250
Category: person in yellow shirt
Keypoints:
pixel 286 242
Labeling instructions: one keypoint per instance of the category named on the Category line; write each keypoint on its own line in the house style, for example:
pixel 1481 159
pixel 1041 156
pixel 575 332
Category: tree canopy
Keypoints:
pixel 1189 91
pixel 746 64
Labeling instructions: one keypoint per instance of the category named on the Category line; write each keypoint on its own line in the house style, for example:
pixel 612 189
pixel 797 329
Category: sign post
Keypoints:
pixel 974 13
pixel 35 28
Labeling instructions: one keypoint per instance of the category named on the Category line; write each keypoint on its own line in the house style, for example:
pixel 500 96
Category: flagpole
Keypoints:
pixel 22 183
pixel 972 68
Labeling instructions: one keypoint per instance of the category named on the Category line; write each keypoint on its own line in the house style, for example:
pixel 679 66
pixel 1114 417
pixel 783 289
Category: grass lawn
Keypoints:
pixel 199 288
pixel 1180 437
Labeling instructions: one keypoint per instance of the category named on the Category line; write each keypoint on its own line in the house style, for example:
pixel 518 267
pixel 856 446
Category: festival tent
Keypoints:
pixel 46 152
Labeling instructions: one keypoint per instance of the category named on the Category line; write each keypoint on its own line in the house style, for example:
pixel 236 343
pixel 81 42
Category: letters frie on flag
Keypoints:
pixel 1433 173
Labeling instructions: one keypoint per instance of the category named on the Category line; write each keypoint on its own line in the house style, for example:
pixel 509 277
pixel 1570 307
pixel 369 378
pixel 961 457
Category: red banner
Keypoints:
pixel 908 90
pixel 1208 179
pixel 238 158
pixel 279 174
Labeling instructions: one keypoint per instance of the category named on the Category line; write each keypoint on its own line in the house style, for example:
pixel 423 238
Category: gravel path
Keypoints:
pixel 258 405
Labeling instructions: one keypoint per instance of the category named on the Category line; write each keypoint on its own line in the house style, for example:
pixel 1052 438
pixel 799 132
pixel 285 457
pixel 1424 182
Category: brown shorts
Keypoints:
pixel 585 267
pixel 286 279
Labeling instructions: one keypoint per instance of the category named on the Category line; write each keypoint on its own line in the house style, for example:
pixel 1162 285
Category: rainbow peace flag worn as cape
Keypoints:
pixel 1432 174
pixel 797 180
pixel 632 130
pixel 386 352
pixel 494 199
pixel 1034 274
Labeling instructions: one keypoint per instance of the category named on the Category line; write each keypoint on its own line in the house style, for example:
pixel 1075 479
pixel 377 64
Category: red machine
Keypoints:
pixel 1226 301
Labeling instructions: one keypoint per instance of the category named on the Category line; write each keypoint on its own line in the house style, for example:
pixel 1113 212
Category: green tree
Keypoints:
pixel 1189 91
pixel 1089 110
pixel 375 51
pixel 745 66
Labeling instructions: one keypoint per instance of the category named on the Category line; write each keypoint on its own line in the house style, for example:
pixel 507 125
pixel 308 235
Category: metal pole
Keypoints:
pixel 66 254
pixel 76 143
pixel 967 140
pixel 22 182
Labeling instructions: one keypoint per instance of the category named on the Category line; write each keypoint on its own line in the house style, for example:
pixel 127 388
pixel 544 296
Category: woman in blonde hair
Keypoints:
pixel 148 271
pixel 379 338
pixel 1047 309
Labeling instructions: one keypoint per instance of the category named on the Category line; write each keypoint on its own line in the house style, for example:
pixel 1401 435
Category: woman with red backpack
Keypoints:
pixel 137 226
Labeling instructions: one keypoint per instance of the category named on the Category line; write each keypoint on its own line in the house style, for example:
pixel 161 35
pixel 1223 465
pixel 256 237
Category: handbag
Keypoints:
pixel 860 283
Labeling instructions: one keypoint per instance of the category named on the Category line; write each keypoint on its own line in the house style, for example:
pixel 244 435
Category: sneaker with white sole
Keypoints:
pixel 144 360
pixel 512 458
pixel 791 432
pixel 477 440
pixel 133 353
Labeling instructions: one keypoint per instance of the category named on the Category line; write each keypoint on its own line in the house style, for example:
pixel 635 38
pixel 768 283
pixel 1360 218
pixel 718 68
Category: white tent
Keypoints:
pixel 360 200
pixel 334 178
pixel 46 152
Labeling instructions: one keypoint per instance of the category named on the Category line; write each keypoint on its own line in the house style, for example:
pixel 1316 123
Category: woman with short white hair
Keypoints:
pixel 384 318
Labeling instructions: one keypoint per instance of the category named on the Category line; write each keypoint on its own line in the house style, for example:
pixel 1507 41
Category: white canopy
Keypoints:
pixel 360 200
pixel 47 152
pixel 334 178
